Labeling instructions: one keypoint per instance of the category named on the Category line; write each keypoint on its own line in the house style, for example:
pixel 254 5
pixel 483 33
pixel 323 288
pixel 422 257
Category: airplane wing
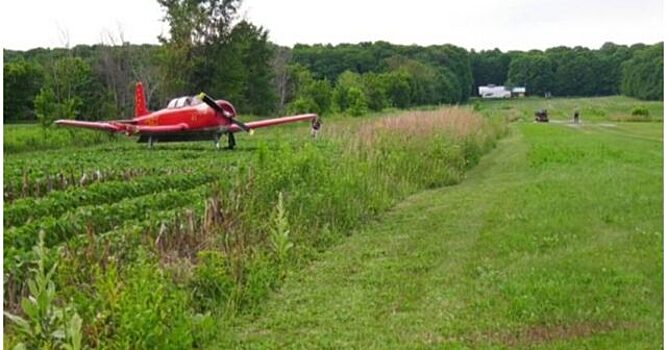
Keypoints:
pixel 123 126
pixel 105 126
pixel 276 121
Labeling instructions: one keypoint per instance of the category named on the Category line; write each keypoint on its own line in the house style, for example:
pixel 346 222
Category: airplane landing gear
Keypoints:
pixel 151 141
pixel 216 140
pixel 231 141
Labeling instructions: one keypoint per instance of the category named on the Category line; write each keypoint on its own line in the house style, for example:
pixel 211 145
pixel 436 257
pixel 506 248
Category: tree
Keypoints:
pixel 397 87
pixel 341 93
pixel 643 73
pixel 574 71
pixel 609 70
pixel 256 55
pixel 22 81
pixel 428 85
pixel 375 91
pixel 69 92
pixel 328 61
pixel 357 104
pixel 311 96
pixel 207 50
pixel 281 78
pixel 457 61
pixel 47 108
pixel 198 29
pixel 489 67
pixel 532 70
pixel 114 69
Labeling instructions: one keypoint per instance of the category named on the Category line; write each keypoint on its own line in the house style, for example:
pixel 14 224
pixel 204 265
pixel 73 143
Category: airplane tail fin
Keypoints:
pixel 140 101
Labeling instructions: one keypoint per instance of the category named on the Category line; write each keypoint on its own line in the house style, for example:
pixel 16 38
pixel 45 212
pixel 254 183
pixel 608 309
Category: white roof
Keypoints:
pixel 489 88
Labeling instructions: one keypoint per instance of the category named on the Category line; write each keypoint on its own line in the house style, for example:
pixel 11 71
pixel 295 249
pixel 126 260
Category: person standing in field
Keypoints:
pixel 576 115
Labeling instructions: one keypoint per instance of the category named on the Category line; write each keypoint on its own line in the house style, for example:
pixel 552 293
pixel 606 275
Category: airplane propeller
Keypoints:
pixel 211 103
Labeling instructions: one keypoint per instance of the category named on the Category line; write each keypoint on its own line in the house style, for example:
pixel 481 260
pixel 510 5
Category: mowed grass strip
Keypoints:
pixel 553 241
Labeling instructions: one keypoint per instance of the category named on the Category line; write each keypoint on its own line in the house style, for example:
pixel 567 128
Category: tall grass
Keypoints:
pixel 269 214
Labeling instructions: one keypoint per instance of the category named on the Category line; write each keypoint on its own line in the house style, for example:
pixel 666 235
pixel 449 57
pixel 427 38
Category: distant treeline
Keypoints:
pixel 238 63
pixel 635 71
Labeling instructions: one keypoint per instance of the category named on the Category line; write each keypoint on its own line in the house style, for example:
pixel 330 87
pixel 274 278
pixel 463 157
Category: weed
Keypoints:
pixel 640 111
pixel 211 283
pixel 46 325
pixel 279 233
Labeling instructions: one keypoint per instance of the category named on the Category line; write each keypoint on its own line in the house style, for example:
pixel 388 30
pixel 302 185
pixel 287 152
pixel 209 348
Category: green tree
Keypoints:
pixel 574 71
pixel 22 82
pixel 341 93
pixel 532 70
pixel 356 99
pixel 46 107
pixel 427 85
pixel 643 74
pixel 457 61
pixel 328 61
pixel 256 55
pixel 198 30
pixel 207 50
pixel 609 71
pixel 489 67
pixel 398 90
pixel 69 92
pixel 311 96
pixel 375 91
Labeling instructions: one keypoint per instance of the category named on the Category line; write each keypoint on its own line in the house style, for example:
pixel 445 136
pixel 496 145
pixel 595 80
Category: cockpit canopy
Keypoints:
pixel 184 102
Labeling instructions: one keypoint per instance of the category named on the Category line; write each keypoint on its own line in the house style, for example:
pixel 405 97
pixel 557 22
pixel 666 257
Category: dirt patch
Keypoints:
pixel 539 334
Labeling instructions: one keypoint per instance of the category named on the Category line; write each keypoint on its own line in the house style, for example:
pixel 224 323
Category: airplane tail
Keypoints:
pixel 140 101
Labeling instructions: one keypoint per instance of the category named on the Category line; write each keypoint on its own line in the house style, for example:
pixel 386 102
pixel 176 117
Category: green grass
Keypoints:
pixel 554 241
pixel 611 108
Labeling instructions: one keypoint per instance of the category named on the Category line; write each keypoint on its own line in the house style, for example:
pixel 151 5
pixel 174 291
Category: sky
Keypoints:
pixel 481 24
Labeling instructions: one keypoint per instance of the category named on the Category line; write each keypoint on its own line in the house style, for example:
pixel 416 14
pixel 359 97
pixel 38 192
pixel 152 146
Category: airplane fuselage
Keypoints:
pixel 197 118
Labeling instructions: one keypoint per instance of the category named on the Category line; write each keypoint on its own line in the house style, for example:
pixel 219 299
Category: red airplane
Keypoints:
pixel 189 118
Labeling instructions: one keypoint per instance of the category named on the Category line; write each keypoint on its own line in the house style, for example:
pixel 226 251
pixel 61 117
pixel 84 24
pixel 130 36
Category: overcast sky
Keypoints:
pixel 481 24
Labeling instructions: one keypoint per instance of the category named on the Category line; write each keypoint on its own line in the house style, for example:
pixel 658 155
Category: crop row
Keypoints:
pixel 92 219
pixel 29 185
pixel 118 241
pixel 160 228
pixel 56 203
pixel 41 165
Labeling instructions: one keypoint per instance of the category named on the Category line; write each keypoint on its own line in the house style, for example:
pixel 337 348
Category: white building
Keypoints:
pixel 492 91
pixel 519 91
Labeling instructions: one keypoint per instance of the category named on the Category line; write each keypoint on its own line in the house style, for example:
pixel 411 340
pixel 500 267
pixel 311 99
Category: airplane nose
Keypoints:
pixel 227 108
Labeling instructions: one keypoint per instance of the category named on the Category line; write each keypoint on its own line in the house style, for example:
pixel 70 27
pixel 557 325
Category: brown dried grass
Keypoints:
pixel 454 122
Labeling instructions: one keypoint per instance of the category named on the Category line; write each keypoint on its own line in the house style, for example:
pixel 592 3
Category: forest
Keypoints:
pixel 209 49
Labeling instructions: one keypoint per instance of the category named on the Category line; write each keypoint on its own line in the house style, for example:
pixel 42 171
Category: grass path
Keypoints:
pixel 553 241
